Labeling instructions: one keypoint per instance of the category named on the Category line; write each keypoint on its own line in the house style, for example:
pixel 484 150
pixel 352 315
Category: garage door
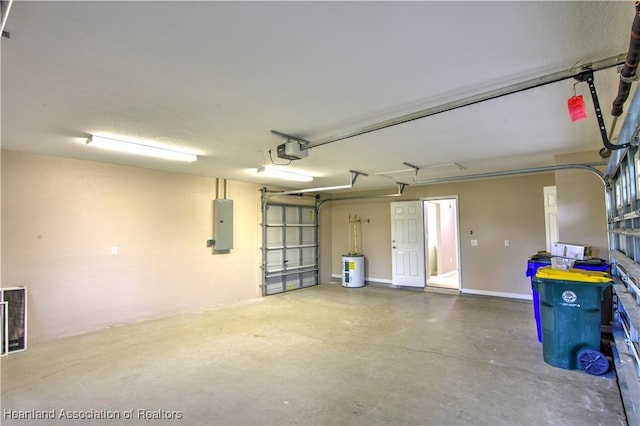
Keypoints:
pixel 289 247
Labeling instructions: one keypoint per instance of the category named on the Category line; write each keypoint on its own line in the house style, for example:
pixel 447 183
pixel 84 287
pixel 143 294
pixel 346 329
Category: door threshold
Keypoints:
pixel 449 291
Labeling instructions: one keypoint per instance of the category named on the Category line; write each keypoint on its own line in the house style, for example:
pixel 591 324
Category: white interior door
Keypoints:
pixel 407 243
pixel 550 215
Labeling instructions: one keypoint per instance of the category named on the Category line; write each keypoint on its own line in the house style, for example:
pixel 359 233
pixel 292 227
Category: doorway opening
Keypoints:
pixel 442 243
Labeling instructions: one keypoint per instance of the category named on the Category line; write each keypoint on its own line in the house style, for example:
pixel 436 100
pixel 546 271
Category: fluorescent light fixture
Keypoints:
pixel 283 174
pixel 140 149
pixel 326 188
pixel 6 7
pixel 354 176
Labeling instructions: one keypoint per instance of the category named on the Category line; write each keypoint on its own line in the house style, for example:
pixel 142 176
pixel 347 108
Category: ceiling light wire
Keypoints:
pixel 277 164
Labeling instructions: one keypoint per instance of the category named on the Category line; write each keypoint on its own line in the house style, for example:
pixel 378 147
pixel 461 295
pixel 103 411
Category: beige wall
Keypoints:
pixel 582 215
pixel 494 210
pixel 61 218
pixel 375 235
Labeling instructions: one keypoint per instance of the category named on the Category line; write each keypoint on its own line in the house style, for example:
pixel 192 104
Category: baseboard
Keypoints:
pixel 385 282
pixel 378 281
pixel 498 294
pixel 338 277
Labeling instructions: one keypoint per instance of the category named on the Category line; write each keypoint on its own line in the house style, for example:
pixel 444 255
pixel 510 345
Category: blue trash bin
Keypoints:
pixel 539 260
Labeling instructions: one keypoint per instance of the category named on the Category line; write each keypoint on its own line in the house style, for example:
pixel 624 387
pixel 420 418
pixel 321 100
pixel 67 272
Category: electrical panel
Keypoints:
pixel 223 224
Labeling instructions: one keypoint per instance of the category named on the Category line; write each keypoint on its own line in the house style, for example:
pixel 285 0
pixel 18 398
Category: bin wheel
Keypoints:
pixel 593 362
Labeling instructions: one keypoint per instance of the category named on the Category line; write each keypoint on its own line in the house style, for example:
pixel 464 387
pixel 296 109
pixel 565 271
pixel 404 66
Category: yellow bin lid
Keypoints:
pixel 548 273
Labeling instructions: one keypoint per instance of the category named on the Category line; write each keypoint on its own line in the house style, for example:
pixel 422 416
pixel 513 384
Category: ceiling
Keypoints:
pixel 215 78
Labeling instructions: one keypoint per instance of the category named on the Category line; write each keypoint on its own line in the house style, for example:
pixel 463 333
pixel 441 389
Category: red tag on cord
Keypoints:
pixel 576 108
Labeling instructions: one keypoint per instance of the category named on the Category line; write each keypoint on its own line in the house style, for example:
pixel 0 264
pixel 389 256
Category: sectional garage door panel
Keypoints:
pixel 274 238
pixel 289 248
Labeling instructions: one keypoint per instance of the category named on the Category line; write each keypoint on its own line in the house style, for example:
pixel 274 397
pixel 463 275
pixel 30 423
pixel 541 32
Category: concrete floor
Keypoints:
pixel 325 355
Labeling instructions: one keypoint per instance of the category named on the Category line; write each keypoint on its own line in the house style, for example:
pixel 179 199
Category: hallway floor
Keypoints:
pixel 324 355
pixel 449 280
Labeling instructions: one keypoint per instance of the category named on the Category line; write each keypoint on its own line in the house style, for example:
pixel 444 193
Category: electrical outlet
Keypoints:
pixel 506 243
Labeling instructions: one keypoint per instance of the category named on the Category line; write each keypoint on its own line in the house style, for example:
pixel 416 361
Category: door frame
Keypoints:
pixel 425 200
pixel 551 223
